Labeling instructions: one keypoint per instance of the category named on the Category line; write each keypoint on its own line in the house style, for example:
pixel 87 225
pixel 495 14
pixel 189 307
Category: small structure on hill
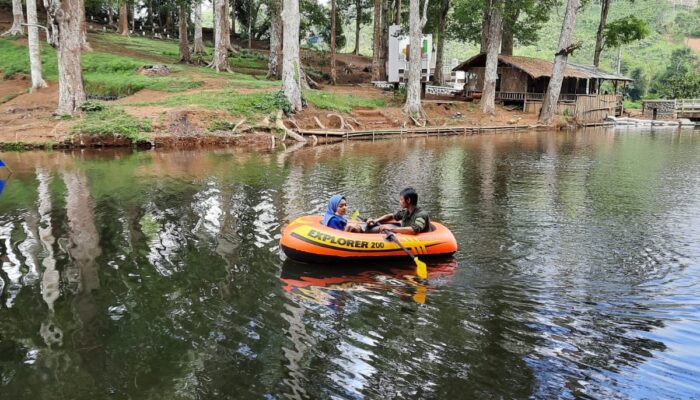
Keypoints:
pixel 524 80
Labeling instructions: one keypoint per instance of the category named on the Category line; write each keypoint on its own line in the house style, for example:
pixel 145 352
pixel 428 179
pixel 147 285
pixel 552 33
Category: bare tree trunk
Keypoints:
pixel 439 74
pixel 233 17
pixel 198 48
pixel 84 45
pixel 385 39
pixel 417 22
pixel 397 13
pixel 184 42
pixel 227 28
pixel 334 73
pixel 358 20
pixel 274 67
pixel 291 65
pixel 605 7
pixel 34 50
pixel 51 25
pixel 123 19
pixel 250 24
pixel 551 98
pixel 508 36
pixel 17 19
pixel 110 17
pixel 220 60
pixel 488 97
pixel 485 26
pixel 71 93
pixel 377 41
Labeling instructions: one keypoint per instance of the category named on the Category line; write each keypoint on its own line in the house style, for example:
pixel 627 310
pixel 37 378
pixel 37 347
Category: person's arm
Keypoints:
pixel 383 218
pixel 407 230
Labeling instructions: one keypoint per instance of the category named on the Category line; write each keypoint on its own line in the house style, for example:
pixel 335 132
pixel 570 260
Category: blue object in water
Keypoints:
pixel 2 164
pixel 2 186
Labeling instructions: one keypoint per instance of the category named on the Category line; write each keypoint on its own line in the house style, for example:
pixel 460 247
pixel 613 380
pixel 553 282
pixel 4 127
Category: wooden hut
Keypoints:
pixel 524 80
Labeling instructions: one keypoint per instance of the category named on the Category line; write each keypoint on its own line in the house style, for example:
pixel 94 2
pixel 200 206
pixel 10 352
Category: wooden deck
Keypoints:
pixel 688 108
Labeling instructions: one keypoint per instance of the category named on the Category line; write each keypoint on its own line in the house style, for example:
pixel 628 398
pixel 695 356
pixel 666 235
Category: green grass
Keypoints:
pixel 155 47
pixel 633 105
pixel 113 121
pixel 247 105
pixel 341 102
pixel 104 74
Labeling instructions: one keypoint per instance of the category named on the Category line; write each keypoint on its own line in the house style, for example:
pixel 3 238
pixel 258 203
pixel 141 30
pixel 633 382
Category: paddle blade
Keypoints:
pixel 419 296
pixel 421 268
pixel 355 215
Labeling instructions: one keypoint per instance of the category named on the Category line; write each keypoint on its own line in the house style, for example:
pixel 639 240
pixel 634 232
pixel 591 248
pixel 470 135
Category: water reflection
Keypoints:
pixel 153 274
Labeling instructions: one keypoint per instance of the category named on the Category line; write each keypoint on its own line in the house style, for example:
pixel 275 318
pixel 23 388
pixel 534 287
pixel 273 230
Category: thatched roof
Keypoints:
pixel 538 68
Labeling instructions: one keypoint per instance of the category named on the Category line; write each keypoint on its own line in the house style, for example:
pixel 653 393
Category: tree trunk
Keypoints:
pixel 551 98
pixel 34 50
pixel 291 65
pixel 233 17
pixel 17 19
pixel 385 39
pixel 51 25
pixel 227 28
pixel 485 27
pixel 71 93
pixel 397 13
pixel 488 96
pixel 123 19
pixel 198 48
pixel 250 24
pixel 604 8
pixel 358 20
pixel 220 60
pixel 274 67
pixel 334 73
pixel 413 104
pixel 507 39
pixel 84 45
pixel 182 33
pixel 377 41
pixel 439 74
pixel 110 18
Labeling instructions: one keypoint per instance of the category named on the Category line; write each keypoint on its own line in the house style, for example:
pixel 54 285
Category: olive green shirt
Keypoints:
pixel 418 220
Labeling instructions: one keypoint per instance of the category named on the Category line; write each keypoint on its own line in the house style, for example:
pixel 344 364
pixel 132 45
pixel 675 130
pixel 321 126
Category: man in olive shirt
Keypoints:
pixel 413 220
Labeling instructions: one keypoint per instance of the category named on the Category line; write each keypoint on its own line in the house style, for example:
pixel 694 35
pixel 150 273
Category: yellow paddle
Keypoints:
pixel 355 215
pixel 421 268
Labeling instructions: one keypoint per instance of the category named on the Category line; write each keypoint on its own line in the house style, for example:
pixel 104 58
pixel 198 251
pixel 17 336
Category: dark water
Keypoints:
pixel 158 274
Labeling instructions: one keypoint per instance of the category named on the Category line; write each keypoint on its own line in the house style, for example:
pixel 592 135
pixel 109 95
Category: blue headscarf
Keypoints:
pixel 330 211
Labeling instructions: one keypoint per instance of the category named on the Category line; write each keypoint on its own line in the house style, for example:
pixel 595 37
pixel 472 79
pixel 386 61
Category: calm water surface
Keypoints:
pixel 153 275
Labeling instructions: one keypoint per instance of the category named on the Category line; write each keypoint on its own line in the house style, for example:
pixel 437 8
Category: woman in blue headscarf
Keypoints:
pixel 335 213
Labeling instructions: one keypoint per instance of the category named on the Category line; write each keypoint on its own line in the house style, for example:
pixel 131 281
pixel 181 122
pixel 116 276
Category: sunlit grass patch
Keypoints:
pixel 341 102
pixel 104 74
pixel 155 47
pixel 113 121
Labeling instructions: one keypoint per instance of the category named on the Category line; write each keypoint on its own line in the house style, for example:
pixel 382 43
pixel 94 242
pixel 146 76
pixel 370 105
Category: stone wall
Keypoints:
pixel 659 109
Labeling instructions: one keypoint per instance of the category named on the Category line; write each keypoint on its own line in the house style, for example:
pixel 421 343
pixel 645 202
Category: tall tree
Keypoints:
pixel 291 65
pixel 17 19
pixel 334 73
pixel 551 98
pixel 198 48
pixel 508 36
pixel 440 54
pixel 123 18
pixel 182 33
pixel 220 59
pixel 377 41
pixel 397 12
pixel 413 91
pixel 495 24
pixel 274 64
pixel 34 50
pixel 600 35
pixel 71 93
pixel 385 39
pixel 363 15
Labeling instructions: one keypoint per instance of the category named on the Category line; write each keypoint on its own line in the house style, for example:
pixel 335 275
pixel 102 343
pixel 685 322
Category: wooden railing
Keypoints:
pixel 688 105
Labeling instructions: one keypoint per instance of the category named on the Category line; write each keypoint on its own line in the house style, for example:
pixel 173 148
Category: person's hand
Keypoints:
pixel 385 228
pixel 371 221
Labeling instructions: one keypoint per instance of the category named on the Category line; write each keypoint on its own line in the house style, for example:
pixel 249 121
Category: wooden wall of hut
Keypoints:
pixel 512 79
pixel 588 108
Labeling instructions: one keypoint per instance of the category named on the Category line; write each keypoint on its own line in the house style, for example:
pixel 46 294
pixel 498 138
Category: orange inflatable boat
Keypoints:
pixel 305 239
